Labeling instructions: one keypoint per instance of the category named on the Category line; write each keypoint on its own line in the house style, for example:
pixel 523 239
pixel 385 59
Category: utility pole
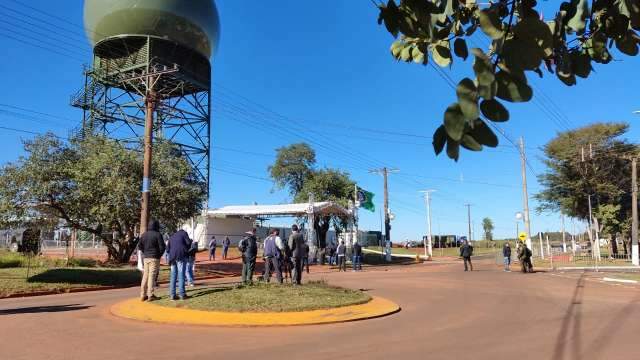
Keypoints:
pixel 150 104
pixel 525 195
pixel 564 238
pixel 469 220
pixel 428 245
pixel 387 220
pixel 634 213
pixel 541 247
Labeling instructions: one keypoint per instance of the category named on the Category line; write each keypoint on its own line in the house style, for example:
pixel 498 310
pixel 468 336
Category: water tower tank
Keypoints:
pixel 193 24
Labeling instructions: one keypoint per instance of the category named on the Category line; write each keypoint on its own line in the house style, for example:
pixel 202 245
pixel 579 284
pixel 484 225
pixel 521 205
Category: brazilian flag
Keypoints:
pixel 366 200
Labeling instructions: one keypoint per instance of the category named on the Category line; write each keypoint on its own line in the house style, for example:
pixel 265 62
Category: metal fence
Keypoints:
pixel 585 259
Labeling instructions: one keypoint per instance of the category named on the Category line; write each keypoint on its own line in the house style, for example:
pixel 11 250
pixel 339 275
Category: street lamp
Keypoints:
pixel 519 217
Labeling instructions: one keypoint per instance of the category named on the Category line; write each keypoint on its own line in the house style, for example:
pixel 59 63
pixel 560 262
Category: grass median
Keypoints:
pixel 271 297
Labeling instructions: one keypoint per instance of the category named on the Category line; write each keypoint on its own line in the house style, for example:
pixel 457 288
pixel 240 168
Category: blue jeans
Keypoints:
pixel 357 262
pixel 507 262
pixel 178 269
pixel 189 271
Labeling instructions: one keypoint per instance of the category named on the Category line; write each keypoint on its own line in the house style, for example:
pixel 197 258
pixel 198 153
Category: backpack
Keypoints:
pixel 242 245
pixel 528 252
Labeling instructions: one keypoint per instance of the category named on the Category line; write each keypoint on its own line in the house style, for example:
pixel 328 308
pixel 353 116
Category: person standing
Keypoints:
pixel 213 244
pixel 152 246
pixel 272 257
pixel 340 255
pixel 466 251
pixel 296 244
pixel 305 258
pixel 225 247
pixel 357 256
pixel 524 256
pixel 191 263
pixel 248 247
pixel 178 248
pixel 506 253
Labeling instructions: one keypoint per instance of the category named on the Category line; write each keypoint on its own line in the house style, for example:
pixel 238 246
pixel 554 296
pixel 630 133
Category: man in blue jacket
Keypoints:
pixel 178 249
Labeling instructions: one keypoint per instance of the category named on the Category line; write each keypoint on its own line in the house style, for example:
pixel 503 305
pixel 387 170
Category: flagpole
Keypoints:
pixel 355 214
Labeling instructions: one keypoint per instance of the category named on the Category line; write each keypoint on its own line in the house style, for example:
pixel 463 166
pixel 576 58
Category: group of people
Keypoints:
pixel 181 252
pixel 338 256
pixel 288 257
pixel 524 256
pixel 213 245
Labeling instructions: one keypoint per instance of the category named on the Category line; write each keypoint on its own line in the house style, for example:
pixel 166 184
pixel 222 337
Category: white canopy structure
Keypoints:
pixel 302 209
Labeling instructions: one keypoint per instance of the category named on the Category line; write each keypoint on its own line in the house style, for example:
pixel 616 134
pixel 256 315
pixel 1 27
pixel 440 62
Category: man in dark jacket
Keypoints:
pixel 152 246
pixel 248 246
pixel 524 255
pixel 272 257
pixel 296 244
pixel 357 256
pixel 466 251
pixel 506 253
pixel 225 247
pixel 178 248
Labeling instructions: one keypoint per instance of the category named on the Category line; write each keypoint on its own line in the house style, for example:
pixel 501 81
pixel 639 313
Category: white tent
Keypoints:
pixel 303 209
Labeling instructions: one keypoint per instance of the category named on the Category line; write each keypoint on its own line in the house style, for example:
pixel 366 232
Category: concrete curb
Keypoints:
pixel 135 309
pixel 99 288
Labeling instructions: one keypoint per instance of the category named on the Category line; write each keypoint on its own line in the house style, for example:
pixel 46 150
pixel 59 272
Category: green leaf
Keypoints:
pixel 488 92
pixel 578 22
pixel 597 48
pixel 494 110
pixel 439 139
pixel 418 56
pixel 580 64
pixel 483 134
pixel 454 121
pixel 460 48
pixel 483 68
pixel 396 48
pixel 470 143
pixel 490 23
pixel 512 88
pixel 441 53
pixel 468 99
pixel 453 149
pixel 627 45
pixel 405 54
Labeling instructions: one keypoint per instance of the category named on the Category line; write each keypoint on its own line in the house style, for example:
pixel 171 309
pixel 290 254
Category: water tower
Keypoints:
pixel 151 76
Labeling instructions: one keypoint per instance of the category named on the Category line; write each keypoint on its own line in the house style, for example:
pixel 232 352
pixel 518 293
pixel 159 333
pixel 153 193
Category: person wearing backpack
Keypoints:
pixel 524 255
pixel 248 247
pixel 466 251
pixel 272 257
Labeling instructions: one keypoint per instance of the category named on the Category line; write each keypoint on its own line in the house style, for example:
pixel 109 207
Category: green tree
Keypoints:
pixel 487 226
pixel 605 173
pixel 294 168
pixel 521 44
pixel 294 165
pixel 93 184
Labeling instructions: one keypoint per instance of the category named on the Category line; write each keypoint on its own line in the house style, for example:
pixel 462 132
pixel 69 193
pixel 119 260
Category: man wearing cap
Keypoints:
pixel 248 246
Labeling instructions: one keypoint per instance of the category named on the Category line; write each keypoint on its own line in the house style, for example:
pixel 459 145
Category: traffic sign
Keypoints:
pixel 522 236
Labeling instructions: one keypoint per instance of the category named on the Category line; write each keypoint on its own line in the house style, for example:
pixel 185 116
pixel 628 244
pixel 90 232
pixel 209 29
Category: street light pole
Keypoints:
pixel 428 245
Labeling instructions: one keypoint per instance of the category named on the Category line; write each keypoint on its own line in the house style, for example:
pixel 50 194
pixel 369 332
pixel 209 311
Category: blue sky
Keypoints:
pixel 291 71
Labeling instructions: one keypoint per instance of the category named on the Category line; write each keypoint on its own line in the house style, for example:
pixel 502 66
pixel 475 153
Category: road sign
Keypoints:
pixel 522 236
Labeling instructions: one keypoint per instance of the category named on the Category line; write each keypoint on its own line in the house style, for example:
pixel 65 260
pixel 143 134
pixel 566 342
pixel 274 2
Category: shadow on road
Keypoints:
pixel 573 314
pixel 44 309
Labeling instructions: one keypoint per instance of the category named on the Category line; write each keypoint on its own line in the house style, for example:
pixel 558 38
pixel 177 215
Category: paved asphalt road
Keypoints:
pixel 446 314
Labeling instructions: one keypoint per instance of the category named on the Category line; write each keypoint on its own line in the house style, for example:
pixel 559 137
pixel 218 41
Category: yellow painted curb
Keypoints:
pixel 145 311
